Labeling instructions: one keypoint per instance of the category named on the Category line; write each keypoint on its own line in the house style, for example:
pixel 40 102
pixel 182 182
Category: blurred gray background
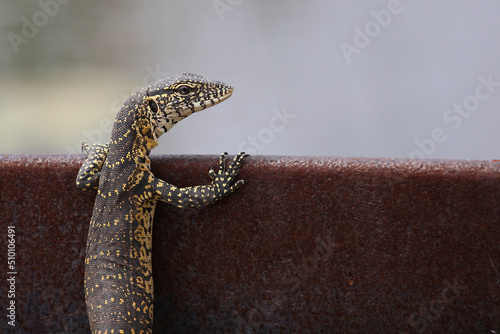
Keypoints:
pixel 385 78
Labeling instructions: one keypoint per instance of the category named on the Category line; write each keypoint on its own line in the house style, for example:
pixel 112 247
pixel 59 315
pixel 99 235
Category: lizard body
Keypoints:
pixel 118 273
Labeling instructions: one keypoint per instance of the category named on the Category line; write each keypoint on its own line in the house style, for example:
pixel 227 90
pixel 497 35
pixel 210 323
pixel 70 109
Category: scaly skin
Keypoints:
pixel 118 273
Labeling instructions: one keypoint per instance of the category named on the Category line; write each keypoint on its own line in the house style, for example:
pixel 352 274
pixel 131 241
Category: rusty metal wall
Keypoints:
pixel 309 245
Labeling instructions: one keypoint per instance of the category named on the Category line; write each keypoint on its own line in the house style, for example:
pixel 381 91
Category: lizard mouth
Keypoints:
pixel 227 95
pixel 222 98
pixel 198 106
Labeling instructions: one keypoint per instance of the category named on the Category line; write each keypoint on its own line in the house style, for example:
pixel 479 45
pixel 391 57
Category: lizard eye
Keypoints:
pixel 184 90
pixel 153 106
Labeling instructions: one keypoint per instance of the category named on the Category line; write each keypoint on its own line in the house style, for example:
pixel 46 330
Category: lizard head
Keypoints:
pixel 172 99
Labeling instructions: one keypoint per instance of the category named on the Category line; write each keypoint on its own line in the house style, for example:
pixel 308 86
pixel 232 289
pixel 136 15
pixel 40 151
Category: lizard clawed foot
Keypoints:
pixel 223 179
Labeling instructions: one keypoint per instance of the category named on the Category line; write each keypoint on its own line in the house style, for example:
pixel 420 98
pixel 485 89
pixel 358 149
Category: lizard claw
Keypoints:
pixel 85 147
pixel 211 173
pixel 222 162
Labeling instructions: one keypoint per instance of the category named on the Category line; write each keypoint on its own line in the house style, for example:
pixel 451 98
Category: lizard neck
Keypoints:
pixel 133 136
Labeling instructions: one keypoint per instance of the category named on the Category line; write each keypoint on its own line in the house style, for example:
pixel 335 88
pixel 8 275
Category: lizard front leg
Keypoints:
pixel 200 196
pixel 89 173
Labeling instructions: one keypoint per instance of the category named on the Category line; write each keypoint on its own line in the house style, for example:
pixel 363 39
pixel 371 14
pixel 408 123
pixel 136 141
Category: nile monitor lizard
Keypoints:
pixel 118 273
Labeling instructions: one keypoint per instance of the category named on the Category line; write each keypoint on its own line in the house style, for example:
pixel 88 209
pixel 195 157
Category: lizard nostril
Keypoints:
pixel 153 106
